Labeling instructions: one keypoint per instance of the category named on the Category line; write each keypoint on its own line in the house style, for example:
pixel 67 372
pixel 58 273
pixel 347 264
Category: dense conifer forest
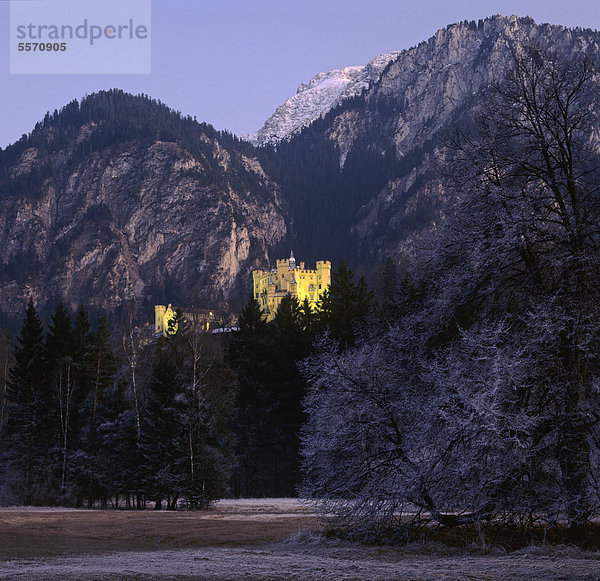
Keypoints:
pixel 98 416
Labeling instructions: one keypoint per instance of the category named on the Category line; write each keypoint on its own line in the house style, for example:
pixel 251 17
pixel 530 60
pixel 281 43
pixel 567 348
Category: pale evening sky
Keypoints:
pixel 232 62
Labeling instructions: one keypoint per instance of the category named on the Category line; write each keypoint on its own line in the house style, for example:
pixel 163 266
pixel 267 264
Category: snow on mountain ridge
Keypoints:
pixel 313 99
pixel 338 76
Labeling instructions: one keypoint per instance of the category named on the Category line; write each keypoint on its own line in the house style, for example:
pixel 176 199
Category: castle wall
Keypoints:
pixel 162 315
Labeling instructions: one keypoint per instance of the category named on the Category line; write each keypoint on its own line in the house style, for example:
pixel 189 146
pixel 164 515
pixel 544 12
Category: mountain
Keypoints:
pixel 317 97
pixel 119 199
pixel 364 178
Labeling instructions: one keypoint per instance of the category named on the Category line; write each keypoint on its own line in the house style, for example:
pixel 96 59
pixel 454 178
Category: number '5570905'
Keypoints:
pixel 42 46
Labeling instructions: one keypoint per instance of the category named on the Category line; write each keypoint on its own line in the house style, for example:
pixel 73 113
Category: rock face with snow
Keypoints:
pixel 402 118
pixel 313 99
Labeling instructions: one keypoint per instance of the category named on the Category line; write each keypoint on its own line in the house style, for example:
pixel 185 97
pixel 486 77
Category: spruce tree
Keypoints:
pixel 287 323
pixel 307 319
pixel 27 433
pixel 251 319
pixel 269 398
pixel 286 391
pixel 104 366
pixel 116 447
pixel 6 362
pixel 248 356
pixel 206 406
pixel 158 471
pixel 83 372
pixel 345 305
pixel 94 368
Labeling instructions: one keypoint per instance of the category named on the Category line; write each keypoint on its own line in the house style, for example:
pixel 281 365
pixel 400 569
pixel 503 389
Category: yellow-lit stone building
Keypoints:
pixel 270 286
pixel 162 315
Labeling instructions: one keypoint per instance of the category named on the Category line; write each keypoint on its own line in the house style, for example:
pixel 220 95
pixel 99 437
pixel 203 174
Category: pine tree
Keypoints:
pixel 286 324
pixel 159 471
pixel 83 371
pixel 28 431
pixel 247 355
pixel 205 444
pixel 307 319
pixel 186 437
pixel 116 453
pixel 6 362
pixel 344 306
pixel 286 390
pixel 269 398
pixel 251 318
pixel 104 366
pixel 95 369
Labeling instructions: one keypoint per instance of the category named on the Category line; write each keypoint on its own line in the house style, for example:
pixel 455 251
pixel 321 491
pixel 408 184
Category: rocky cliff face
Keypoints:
pixel 142 220
pixel 406 112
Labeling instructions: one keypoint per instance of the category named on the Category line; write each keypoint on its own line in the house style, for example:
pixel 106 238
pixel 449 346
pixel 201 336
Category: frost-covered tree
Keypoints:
pixel 535 211
pixel 364 445
pixel 481 403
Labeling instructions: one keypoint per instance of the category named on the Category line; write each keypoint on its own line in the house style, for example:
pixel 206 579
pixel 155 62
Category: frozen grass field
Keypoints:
pixel 246 539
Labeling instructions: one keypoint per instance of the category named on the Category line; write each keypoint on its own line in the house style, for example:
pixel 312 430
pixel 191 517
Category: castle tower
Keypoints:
pixel 324 273
pixel 293 287
pixel 162 316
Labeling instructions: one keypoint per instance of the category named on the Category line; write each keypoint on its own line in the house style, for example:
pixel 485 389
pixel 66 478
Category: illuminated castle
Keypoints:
pixel 201 318
pixel 270 286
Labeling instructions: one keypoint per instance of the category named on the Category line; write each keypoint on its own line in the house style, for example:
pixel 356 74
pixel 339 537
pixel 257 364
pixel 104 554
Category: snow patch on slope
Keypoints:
pixel 313 99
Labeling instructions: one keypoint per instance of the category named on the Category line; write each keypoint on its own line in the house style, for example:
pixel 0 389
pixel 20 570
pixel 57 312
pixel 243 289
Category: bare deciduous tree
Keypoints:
pixel 482 402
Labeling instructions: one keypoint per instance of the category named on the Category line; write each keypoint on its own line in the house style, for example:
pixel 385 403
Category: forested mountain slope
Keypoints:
pixel 120 199
pixel 366 178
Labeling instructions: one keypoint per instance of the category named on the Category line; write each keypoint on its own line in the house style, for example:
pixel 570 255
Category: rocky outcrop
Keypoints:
pixel 119 199
pixel 143 220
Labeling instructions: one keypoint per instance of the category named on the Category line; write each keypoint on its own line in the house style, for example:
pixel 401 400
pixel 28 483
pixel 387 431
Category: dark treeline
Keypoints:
pixel 99 416
pixel 94 417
